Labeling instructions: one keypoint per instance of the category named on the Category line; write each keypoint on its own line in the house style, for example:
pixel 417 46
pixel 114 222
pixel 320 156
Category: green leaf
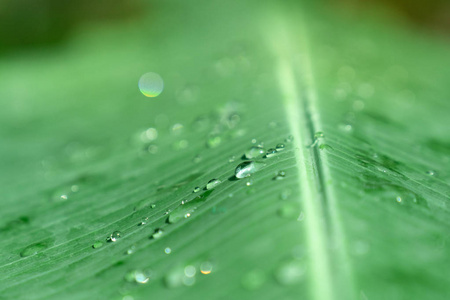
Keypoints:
pixel 98 182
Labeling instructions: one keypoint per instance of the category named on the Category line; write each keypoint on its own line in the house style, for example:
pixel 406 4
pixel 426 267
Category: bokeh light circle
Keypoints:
pixel 151 84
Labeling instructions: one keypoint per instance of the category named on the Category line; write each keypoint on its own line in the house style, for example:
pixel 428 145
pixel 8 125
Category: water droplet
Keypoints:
pixel 253 280
pixel 149 135
pixel 280 175
pixel 181 144
pixel 152 149
pixel 114 236
pixel 289 210
pixel 289 139
pixel 232 158
pixel 190 271
pixel 138 276
pixel 186 209
pixel 280 147
pixel 206 267
pixel 157 234
pixel 271 152
pixel 398 199
pixel 248 183
pixel 131 250
pixel 177 128
pixel 33 249
pixel 143 221
pixel 213 141
pixel 254 152
pixel 151 84
pixel 197 159
pixel 430 172
pixel 167 250
pixel 212 184
pixel 196 189
pixel 97 244
pixel 290 273
pixel 247 168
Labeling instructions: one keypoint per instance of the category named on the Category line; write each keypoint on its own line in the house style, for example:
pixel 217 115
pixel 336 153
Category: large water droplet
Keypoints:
pixel 212 184
pixel 33 249
pixel 254 152
pixel 151 84
pixel 247 168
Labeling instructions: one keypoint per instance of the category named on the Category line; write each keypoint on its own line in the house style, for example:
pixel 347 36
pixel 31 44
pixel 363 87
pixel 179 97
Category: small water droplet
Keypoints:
pixel 280 147
pixel 213 141
pixel 177 128
pixel 143 221
pixel 158 233
pixel 33 249
pixel 97 244
pixel 149 135
pixel 398 199
pixel 247 168
pixel 280 175
pixel 114 236
pixel 197 159
pixel 248 183
pixel 232 158
pixel 289 210
pixel 430 172
pixel 151 84
pixel 152 149
pixel 289 139
pixel 138 276
pixel 190 271
pixel 212 184
pixel 290 273
pixel 131 250
pixel 271 152
pixel 254 152
pixel 206 267
pixel 196 189
pixel 167 250
pixel 253 280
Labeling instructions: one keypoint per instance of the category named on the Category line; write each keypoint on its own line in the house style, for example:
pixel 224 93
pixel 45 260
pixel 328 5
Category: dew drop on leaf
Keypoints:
pixel 271 152
pixel 157 234
pixel 114 236
pixel 151 84
pixel 254 152
pixel 290 273
pixel 280 147
pixel 280 175
pixel 212 184
pixel 247 168
pixel 97 244
pixel 33 249
pixel 206 267
pixel 196 189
